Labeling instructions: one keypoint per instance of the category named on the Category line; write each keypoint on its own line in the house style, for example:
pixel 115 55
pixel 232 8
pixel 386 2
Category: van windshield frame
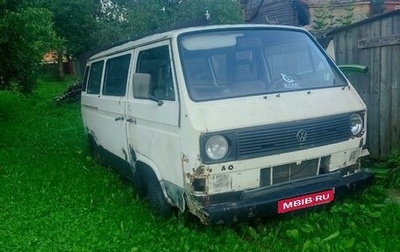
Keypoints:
pixel 228 63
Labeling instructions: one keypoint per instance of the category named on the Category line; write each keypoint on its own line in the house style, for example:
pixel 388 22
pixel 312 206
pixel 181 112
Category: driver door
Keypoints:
pixel 153 120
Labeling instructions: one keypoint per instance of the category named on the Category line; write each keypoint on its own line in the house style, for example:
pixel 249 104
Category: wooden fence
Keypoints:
pixel 375 42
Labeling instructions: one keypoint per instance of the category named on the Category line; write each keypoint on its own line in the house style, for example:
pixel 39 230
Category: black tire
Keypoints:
pixel 95 150
pixel 138 185
pixel 155 197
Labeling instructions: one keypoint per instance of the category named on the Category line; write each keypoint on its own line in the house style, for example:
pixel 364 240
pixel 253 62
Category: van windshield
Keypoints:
pixel 234 63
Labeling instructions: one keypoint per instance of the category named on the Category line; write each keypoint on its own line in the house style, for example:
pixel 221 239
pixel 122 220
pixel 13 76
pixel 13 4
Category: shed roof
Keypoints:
pixel 364 21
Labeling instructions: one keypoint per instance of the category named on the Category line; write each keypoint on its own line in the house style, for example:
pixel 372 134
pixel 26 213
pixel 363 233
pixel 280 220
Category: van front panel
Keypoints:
pixel 265 108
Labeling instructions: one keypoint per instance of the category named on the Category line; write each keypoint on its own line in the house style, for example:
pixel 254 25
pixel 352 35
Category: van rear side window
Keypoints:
pixel 116 75
pixel 85 79
pixel 96 70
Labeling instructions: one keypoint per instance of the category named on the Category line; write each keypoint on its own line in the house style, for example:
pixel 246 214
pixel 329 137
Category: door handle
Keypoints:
pixel 119 118
pixel 131 120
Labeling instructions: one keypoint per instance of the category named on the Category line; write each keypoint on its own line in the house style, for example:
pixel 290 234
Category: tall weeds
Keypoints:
pixel 392 179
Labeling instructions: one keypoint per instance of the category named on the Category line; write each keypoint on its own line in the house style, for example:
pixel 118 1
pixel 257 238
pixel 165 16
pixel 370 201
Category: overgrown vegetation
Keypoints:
pixel 393 177
pixel 67 29
pixel 325 18
pixel 26 34
pixel 54 197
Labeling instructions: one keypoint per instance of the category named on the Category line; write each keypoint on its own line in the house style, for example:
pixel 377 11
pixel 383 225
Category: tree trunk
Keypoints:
pixel 60 65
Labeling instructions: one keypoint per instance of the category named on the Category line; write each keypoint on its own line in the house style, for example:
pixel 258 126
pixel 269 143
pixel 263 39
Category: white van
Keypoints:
pixel 229 122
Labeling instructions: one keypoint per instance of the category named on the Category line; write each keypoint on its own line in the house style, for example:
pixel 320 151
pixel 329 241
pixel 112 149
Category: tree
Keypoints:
pixel 222 11
pixel 86 25
pixel 141 17
pixel 76 23
pixel 26 34
pixel 326 20
pixel 31 28
pixel 90 24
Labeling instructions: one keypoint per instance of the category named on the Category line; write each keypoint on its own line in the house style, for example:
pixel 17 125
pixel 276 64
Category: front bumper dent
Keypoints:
pixel 263 201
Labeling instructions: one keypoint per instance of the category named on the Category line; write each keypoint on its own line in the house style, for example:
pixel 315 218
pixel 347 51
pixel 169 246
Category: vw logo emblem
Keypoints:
pixel 301 135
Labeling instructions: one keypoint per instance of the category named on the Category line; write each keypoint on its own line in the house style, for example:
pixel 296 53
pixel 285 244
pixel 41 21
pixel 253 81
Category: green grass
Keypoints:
pixel 53 197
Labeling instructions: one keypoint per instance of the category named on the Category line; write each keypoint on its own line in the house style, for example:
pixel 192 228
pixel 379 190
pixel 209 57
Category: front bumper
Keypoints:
pixel 263 201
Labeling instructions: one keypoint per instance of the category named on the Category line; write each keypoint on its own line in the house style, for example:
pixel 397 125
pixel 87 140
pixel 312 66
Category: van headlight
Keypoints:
pixel 216 147
pixel 356 124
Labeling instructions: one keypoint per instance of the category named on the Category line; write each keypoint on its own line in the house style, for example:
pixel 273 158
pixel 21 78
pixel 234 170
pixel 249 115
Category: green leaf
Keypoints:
pixel 331 237
pixel 349 243
pixel 306 246
pixel 375 215
pixel 293 233
pixel 253 233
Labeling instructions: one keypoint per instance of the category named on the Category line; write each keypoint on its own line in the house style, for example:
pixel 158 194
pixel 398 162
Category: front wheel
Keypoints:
pixel 155 197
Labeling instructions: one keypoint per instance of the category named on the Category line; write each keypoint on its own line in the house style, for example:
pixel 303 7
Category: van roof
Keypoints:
pixel 130 44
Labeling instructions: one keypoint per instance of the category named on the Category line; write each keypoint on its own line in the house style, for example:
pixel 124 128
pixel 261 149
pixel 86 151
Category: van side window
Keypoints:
pixel 156 62
pixel 96 70
pixel 85 78
pixel 116 75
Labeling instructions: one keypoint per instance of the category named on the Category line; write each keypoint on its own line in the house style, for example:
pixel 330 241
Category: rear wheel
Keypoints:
pixel 94 149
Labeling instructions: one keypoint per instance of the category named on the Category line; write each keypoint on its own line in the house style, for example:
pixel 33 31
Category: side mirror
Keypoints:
pixel 353 68
pixel 141 85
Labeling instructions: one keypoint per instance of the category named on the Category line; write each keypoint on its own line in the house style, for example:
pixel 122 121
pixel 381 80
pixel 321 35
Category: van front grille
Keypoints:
pixel 288 172
pixel 292 136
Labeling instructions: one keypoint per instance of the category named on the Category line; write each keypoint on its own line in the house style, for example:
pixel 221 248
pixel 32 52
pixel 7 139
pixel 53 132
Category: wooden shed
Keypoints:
pixel 284 12
pixel 375 42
